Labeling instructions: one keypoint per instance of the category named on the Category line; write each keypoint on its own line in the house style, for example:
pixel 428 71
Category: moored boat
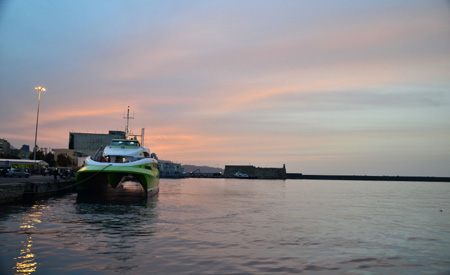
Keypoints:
pixel 122 161
pixel 240 175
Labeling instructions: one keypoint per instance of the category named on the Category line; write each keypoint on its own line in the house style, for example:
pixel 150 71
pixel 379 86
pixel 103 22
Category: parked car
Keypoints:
pixel 66 173
pixel 46 171
pixel 17 172
pixel 3 171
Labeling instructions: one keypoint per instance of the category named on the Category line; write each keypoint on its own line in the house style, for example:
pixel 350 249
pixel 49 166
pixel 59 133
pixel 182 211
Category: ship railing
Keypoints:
pixel 98 154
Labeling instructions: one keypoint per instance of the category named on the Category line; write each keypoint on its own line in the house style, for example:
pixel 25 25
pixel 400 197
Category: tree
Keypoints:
pixel 39 155
pixel 13 155
pixel 63 160
pixel 50 159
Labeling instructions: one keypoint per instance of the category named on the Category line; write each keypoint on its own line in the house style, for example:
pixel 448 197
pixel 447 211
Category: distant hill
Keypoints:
pixel 191 168
pixel 203 169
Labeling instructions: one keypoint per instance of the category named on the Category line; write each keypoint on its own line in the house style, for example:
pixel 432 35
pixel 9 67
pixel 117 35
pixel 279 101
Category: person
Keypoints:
pixel 55 173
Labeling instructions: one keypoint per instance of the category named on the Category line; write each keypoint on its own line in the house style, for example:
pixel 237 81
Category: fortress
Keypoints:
pixel 256 172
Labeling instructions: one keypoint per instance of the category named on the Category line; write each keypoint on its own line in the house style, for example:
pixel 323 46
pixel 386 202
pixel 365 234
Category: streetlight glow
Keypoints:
pixel 40 89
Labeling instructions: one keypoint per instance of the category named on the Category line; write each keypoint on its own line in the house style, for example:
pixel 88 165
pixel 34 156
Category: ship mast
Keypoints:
pixel 128 120
pixel 128 117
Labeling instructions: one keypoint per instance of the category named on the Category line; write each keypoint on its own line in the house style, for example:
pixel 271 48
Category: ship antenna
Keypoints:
pixel 128 120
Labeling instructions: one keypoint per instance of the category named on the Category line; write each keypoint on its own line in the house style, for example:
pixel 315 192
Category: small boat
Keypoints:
pixel 241 175
pixel 115 165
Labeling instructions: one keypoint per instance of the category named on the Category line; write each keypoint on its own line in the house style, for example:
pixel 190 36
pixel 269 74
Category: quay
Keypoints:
pixel 366 178
pixel 12 191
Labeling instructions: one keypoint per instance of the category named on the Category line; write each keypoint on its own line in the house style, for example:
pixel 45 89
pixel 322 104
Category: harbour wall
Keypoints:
pixel 366 178
pixel 17 192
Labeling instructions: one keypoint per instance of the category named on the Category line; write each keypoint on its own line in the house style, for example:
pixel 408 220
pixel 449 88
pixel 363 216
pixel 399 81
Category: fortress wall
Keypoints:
pixel 257 172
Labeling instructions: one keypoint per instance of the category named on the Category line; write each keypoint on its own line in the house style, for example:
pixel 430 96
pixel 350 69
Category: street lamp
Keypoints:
pixel 40 89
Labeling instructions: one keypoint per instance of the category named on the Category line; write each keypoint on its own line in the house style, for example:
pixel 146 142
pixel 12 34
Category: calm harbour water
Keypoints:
pixel 231 226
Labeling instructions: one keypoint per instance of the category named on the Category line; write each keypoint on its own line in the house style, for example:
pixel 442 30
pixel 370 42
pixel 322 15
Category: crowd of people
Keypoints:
pixel 61 172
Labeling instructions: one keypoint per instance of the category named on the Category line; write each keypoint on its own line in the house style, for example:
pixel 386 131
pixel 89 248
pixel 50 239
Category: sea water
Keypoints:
pixel 235 226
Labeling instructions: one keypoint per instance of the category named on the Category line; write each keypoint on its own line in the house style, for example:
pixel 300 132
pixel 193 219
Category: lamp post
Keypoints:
pixel 40 89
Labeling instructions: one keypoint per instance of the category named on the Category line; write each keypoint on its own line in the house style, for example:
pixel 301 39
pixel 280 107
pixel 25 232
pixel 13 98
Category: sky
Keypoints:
pixel 324 87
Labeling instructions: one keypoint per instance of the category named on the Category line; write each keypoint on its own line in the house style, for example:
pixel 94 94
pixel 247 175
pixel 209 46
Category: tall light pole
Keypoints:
pixel 40 89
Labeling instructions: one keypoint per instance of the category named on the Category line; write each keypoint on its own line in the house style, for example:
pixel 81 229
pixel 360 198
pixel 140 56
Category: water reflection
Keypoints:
pixel 117 198
pixel 126 192
pixel 26 261
pixel 114 227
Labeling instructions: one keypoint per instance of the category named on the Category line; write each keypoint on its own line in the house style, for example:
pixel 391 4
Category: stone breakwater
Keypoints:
pixel 16 192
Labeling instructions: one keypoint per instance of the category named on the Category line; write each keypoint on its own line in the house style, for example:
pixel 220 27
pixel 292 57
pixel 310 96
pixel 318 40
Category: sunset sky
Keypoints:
pixel 325 87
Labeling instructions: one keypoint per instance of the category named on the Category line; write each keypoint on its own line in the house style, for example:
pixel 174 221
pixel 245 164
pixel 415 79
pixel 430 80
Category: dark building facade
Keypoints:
pixel 88 143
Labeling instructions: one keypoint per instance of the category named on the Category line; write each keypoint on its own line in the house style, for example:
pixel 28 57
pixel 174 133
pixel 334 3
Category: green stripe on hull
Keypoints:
pixel 90 176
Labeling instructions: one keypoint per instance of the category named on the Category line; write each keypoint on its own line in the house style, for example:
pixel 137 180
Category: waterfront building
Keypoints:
pixel 82 145
pixel 5 147
pixel 24 152
pixel 170 170
pixel 26 149
pixel 22 163
pixel 87 144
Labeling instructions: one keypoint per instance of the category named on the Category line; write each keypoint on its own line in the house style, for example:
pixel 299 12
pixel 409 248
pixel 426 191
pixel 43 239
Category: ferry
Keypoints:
pixel 115 166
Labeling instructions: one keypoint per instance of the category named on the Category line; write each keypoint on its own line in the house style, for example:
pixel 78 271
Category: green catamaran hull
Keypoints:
pixel 100 178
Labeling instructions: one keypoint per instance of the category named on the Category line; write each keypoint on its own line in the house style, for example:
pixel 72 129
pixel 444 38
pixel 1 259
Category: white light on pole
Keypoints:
pixel 40 89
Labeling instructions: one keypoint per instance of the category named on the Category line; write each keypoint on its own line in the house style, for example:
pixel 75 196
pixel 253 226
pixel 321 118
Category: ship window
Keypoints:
pixel 120 159
pixel 125 143
pixel 132 143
